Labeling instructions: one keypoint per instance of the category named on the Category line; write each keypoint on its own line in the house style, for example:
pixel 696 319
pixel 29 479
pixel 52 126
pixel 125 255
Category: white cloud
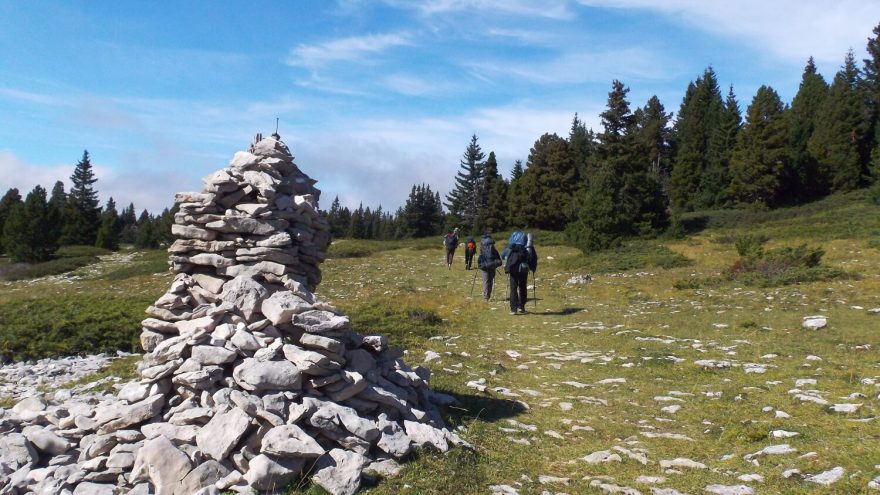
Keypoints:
pixel 789 29
pixel 552 9
pixel 351 49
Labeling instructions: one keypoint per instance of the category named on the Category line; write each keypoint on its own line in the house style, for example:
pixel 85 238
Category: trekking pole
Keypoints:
pixel 474 281
pixel 535 289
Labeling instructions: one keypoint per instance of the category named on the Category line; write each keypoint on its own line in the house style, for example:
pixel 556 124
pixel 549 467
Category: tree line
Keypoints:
pixel 32 229
pixel 643 170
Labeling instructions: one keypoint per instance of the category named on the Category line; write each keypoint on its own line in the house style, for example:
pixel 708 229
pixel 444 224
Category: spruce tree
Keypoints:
pixel 128 221
pixel 545 193
pixel 108 233
pixel 422 215
pixel 468 197
pixel 804 182
pixel 871 81
pixel 28 229
pixel 653 135
pixel 581 145
pixel 624 198
pixel 146 238
pixel 761 154
pixel 517 171
pixel 356 224
pixel 84 215
pixel 494 216
pixel 698 146
pixel 839 141
pixel 338 224
pixel 715 185
pixel 10 200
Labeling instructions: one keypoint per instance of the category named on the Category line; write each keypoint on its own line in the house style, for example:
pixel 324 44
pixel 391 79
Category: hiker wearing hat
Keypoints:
pixel 520 258
pixel 450 242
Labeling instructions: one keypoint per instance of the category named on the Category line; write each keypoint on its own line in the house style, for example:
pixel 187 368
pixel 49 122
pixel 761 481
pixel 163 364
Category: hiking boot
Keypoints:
pixel 523 310
pixel 513 312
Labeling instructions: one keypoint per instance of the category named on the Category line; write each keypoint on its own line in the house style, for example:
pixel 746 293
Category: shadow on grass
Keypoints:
pixel 561 312
pixel 480 407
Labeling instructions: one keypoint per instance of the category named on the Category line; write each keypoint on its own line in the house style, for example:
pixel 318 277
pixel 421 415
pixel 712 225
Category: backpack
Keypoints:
pixel 517 237
pixel 517 261
pixel 486 261
pixel 450 241
pixel 471 246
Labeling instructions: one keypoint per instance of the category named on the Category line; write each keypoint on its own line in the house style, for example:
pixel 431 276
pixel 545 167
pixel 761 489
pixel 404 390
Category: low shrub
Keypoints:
pixel 25 271
pixel 635 255
pixel 36 327
pixel 407 327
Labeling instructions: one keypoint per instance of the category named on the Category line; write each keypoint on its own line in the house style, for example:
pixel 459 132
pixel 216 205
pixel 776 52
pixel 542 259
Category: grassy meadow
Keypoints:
pixel 608 365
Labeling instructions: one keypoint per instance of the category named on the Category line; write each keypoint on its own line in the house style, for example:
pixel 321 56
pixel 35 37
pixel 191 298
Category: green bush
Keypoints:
pixel 631 256
pixel 24 271
pixel 750 245
pixel 37 327
pixel 405 327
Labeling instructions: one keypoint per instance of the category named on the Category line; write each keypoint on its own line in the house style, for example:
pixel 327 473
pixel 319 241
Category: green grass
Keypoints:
pixel 152 262
pixel 67 259
pixel 641 254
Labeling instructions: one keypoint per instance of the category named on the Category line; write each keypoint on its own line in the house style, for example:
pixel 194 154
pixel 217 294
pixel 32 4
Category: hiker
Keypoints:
pixel 488 262
pixel 450 242
pixel 470 249
pixel 520 257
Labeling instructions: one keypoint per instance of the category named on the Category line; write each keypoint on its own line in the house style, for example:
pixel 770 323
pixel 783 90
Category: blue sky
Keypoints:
pixel 372 96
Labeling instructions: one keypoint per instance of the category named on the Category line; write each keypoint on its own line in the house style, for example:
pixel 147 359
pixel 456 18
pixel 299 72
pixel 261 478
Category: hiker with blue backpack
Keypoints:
pixel 520 258
pixel 488 262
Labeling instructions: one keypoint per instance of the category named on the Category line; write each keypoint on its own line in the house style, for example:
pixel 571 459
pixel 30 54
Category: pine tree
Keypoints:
pixel 761 155
pixel 468 196
pixel 356 224
pixel 28 229
pixel 111 226
pixel 698 146
pixel 544 195
pixel 839 141
pixel 581 146
pixel 624 197
pixel 653 135
pixel 715 185
pixel 871 81
pixel 82 223
pixel 10 200
pixel 517 171
pixel 422 215
pixel 804 183
pixel 337 219
pixel 146 238
pixel 494 216
pixel 129 223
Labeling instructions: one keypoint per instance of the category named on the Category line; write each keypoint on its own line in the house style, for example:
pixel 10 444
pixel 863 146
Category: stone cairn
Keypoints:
pixel 249 380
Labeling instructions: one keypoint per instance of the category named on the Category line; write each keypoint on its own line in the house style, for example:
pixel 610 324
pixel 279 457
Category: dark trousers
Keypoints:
pixel 468 258
pixel 518 291
pixel 450 253
pixel 488 282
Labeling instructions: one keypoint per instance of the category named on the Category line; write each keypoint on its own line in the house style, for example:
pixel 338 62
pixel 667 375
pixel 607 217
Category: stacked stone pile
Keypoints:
pixel 249 380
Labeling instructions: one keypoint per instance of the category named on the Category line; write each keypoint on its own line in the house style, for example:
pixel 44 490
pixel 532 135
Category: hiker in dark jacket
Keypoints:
pixel 470 249
pixel 518 262
pixel 450 242
pixel 488 262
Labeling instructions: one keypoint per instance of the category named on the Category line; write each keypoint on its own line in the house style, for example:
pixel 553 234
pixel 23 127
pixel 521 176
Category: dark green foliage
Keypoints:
pixel 468 196
pixel 28 232
pixel 10 200
pixel 494 215
pixel 82 214
pixel 128 230
pixel 338 219
pixel 146 238
pixel 633 255
pixel 871 83
pixel 782 266
pixel 544 195
pixel 517 171
pixel 409 328
pixel 110 228
pixel 653 136
pixel 582 147
pixel 750 245
pixel 839 142
pixel 700 142
pixel 422 214
pixel 624 198
pixel 24 271
pixel 37 327
pixel 761 154
pixel 803 182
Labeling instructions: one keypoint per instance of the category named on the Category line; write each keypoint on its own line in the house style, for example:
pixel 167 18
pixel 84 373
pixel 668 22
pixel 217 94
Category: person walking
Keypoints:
pixel 470 249
pixel 517 257
pixel 488 262
pixel 450 242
